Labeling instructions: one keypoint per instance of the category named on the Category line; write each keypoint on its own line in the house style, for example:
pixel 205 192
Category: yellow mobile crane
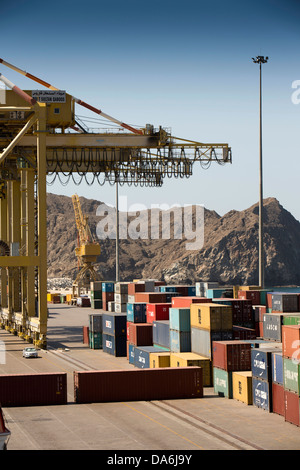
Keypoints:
pixel 87 251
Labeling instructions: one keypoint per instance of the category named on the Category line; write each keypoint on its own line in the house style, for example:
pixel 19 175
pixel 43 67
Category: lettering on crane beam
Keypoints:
pixel 49 96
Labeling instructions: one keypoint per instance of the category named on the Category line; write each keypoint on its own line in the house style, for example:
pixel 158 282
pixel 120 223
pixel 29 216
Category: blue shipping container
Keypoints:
pixel 142 356
pixel 136 312
pixel 277 367
pixel 180 341
pixel 191 291
pixel 108 286
pixel 131 350
pixel 167 288
pixel 262 393
pixel 115 345
pixel 114 323
pixel 261 363
pixel 180 319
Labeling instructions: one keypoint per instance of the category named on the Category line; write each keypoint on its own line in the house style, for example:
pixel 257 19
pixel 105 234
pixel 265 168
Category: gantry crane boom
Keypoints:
pixel 37 140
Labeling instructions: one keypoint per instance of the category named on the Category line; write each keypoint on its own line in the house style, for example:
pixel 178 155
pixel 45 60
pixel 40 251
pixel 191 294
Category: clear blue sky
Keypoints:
pixel 182 65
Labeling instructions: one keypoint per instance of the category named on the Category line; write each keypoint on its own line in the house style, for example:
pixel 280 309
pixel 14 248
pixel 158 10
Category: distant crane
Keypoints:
pixel 87 250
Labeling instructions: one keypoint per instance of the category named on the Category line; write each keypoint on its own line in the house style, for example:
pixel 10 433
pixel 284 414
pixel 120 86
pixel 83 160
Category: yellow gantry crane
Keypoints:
pixel 40 138
pixel 87 250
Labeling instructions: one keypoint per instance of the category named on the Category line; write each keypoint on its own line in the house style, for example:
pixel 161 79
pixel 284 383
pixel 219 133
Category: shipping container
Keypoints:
pixel 242 311
pixel 242 386
pixel 259 312
pixel 232 355
pixel 96 294
pixel 201 287
pixel 201 340
pixel 157 312
pixel 85 335
pixel 137 385
pixel 130 355
pixel 114 345
pixel 262 393
pixel 291 341
pixel 96 304
pixel 142 355
pixel 150 297
pixel 222 381
pixel 121 287
pixel 140 334
pixel 95 340
pixel 180 319
pixel 291 407
pixel 134 287
pixel 108 286
pixel 261 362
pixel 96 322
pixel 114 323
pixel 136 312
pixel 107 296
pixel 38 389
pixel 83 301
pixel 285 302
pixel 111 306
pixel 211 316
pixel 291 375
pixel 253 295
pixel 120 308
pixel 219 292
pixel 120 298
pixel 161 333
pixel 277 367
pixel 241 332
pixel 189 359
pixel 180 341
pixel 278 398
pixel 161 359
pixel 291 319
pixel 185 302
pixel 96 286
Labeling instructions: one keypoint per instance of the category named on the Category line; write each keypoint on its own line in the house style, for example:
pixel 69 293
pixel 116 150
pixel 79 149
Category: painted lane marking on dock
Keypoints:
pixel 163 426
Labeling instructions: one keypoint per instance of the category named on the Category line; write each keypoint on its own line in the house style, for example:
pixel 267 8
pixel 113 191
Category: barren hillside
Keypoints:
pixel 229 253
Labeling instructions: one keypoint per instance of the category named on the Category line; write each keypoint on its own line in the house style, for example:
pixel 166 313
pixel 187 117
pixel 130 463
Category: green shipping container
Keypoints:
pixel 291 319
pixel 96 294
pixel 222 382
pixel 291 374
pixel 96 304
pixel 95 340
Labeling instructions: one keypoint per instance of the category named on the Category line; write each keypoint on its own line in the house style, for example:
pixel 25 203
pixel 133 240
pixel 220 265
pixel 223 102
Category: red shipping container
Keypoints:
pixel 278 398
pixel 138 384
pixel 259 312
pixel 127 329
pixel 33 389
pixel 291 341
pixel 156 312
pixel 85 334
pixel 140 334
pixel 185 302
pixel 232 355
pixel 291 407
pixel 269 300
pixel 150 297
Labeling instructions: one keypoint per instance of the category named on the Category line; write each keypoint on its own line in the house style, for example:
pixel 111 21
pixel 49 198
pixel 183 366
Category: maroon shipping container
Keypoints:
pixel 107 297
pixel 241 332
pixel 151 297
pixel 291 407
pixel 138 384
pixel 33 389
pixel 134 287
pixel 140 334
pixel 232 355
pixel 278 398
pixel 156 312
pixel 253 295
pixel 85 334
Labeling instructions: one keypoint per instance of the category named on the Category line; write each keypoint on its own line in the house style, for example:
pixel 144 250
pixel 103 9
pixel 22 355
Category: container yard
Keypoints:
pixel 192 364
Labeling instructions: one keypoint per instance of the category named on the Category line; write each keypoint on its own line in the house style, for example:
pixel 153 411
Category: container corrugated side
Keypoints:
pixel 232 355
pixel 33 389
pixel 136 385
pixel 242 386
pixel 222 381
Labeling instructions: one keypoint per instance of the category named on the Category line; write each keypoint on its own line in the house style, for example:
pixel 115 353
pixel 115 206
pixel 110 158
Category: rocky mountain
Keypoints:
pixel 229 253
